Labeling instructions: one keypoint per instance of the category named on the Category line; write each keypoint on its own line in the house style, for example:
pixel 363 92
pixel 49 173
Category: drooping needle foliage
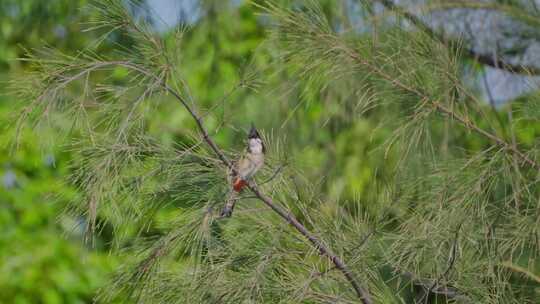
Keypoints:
pixel 428 194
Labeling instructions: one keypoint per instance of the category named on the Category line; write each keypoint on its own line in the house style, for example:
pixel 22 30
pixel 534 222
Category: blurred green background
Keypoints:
pixel 43 256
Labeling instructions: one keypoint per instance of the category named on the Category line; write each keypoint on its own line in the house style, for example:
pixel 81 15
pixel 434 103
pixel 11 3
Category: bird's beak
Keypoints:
pixel 253 133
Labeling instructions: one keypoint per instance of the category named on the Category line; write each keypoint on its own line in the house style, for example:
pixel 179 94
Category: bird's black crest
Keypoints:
pixel 253 133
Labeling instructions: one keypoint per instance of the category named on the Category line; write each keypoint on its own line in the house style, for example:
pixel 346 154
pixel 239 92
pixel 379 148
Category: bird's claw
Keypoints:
pixel 226 212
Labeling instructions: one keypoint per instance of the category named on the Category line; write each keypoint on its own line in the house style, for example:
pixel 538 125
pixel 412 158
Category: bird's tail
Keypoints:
pixel 238 185
pixel 229 204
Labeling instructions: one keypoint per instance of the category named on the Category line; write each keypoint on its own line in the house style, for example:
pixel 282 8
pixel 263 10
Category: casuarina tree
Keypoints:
pixel 386 179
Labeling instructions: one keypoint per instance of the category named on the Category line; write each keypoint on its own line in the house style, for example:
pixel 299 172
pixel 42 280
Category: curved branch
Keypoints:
pixel 445 110
pixel 323 250
pixel 318 244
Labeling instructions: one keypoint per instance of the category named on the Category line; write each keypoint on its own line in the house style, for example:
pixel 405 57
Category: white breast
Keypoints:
pixel 255 145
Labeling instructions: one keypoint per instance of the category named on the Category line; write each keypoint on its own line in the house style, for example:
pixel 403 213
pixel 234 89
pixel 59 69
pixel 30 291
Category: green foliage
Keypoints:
pixel 375 142
pixel 30 23
pixel 41 253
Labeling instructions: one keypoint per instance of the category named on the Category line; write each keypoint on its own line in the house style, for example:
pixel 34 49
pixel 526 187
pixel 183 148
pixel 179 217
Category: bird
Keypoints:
pixel 245 168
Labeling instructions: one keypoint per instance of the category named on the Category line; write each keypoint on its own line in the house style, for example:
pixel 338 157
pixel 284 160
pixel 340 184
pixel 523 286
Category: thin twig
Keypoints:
pixel 276 172
pixel 321 247
pixel 363 241
pixel 480 58
pixel 523 271
pixel 362 293
pixel 441 108
pixel 449 292
pixel 451 262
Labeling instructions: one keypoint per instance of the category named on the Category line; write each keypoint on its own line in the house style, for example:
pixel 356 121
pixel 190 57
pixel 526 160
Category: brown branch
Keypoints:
pixel 320 246
pixel 488 135
pixel 443 109
pixel 362 293
pixel 485 59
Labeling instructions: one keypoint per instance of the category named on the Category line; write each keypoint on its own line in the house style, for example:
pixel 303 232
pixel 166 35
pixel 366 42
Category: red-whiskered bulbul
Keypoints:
pixel 248 164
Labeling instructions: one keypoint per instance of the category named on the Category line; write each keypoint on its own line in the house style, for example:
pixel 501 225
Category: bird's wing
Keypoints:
pixel 243 166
